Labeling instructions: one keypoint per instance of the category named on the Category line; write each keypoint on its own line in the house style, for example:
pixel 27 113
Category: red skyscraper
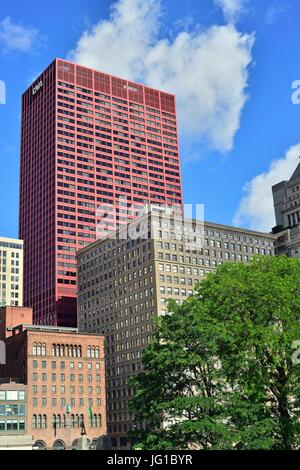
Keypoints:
pixel 87 139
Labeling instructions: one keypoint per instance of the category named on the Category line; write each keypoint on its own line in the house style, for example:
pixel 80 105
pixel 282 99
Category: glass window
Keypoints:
pixel 12 425
pixel 11 410
pixel 12 395
pixel 21 425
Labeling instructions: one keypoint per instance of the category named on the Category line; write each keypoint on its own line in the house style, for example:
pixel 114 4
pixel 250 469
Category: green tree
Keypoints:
pixel 219 373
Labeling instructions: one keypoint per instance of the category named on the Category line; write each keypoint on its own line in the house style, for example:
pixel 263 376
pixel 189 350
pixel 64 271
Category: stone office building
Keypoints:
pixel 125 282
pixel 286 196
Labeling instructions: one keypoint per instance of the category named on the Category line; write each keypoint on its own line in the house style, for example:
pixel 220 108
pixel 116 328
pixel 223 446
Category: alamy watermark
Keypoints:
pixel 296 354
pixel 296 93
pixel 2 92
pixel 2 353
pixel 125 221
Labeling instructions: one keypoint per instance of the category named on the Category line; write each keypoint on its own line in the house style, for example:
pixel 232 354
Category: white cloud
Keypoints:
pixel 206 68
pixel 256 208
pixel 16 37
pixel 232 9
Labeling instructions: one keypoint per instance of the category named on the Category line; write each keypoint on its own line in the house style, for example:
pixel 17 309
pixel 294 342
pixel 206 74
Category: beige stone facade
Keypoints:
pixel 286 196
pixel 125 282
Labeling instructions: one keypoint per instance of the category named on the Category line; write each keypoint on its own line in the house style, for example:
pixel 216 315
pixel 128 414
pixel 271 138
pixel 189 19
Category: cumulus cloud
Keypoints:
pixel 232 9
pixel 16 37
pixel 256 208
pixel 206 68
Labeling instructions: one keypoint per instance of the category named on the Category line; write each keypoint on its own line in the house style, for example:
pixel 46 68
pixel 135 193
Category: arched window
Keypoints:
pixel 40 445
pixel 44 422
pixel 43 350
pixel 59 445
pixel 75 444
pixel 39 349
pixel 89 351
pixel 62 351
pixel 97 353
pixel 71 351
pixel 53 349
pixel 34 349
pixel 99 421
pixel 34 421
pixel 58 421
pixel 54 424
pixel 39 422
pixel 57 350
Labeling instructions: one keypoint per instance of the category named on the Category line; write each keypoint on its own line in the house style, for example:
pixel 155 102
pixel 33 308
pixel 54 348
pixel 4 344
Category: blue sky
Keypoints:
pixel 230 62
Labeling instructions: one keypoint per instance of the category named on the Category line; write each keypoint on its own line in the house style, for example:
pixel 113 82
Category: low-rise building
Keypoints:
pixel 126 281
pixel 64 374
pixel 13 316
pixel 13 417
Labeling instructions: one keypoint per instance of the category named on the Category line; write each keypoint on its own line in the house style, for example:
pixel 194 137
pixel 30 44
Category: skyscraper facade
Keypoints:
pixel 95 149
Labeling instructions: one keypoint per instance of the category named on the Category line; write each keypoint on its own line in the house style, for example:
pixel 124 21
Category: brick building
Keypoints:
pixel 13 316
pixel 64 372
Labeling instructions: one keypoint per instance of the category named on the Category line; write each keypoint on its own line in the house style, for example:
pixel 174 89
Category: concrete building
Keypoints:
pixel 88 140
pixel 286 196
pixel 13 417
pixel 125 282
pixel 64 374
pixel 11 272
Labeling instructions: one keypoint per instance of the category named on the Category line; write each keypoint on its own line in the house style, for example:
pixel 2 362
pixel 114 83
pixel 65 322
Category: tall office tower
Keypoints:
pixel 11 272
pixel 88 140
pixel 124 282
pixel 286 196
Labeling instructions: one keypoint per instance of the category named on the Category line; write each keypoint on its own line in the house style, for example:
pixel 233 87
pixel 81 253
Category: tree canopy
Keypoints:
pixel 219 373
